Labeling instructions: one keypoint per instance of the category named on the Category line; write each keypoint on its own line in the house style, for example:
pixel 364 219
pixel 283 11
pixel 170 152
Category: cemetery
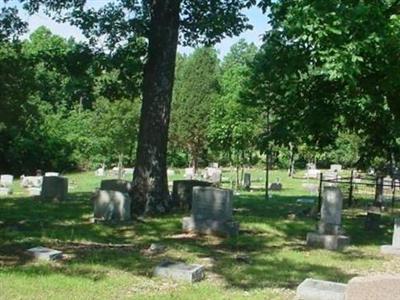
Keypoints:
pixel 181 149
pixel 222 244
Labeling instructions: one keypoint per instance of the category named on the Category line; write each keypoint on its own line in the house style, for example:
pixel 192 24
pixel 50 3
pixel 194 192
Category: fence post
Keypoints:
pixel 320 191
pixel 351 189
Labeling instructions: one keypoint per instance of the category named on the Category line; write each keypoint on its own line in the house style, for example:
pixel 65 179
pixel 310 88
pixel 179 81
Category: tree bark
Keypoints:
pixel 150 184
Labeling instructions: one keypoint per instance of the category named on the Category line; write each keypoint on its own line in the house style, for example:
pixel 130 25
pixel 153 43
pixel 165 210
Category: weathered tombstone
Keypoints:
pixel 99 172
pixel 394 248
pixel 43 253
pixel 111 206
pixel 312 289
pixel 119 185
pixel 374 287
pixel 214 175
pixel 336 168
pixel 170 172
pixel 275 186
pixel 214 165
pixel 247 181
pixel 329 234
pixel 49 174
pixel 180 271
pixel 189 173
pixel 6 182
pixel 31 181
pixel 211 212
pixel 54 188
pixel 182 192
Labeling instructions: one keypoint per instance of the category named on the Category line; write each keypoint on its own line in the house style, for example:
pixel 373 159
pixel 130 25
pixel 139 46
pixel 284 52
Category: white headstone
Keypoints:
pixel 170 172
pixel 336 168
pixel 6 180
pixel 50 174
pixel 99 172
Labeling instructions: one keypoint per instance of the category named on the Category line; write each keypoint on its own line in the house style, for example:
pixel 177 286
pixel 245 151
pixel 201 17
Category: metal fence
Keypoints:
pixel 360 189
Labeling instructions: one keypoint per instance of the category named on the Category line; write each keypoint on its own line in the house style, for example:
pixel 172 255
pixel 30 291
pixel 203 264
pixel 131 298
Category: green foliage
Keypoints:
pixel 195 90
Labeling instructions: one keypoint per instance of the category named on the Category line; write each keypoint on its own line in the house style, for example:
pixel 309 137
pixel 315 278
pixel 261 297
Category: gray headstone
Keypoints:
pixel 247 181
pixel 211 212
pixel 374 287
pixel 311 289
pixel 54 188
pixel 212 203
pixel 275 186
pixel 180 271
pixel 331 210
pixel 43 253
pixel 118 185
pixel 182 192
pixel 111 206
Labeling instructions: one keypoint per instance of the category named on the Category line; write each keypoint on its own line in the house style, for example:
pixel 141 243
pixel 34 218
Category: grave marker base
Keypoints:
pixel 390 250
pixel 327 241
pixel 213 227
pixel 311 289
pixel 180 271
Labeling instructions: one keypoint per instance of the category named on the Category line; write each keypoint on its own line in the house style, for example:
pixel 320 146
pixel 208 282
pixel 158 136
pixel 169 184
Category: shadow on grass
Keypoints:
pixel 266 233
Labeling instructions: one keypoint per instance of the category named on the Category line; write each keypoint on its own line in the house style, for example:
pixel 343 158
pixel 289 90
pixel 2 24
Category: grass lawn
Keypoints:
pixel 108 261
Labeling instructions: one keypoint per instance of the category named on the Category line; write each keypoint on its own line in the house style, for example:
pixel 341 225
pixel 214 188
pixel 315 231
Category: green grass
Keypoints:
pixel 108 262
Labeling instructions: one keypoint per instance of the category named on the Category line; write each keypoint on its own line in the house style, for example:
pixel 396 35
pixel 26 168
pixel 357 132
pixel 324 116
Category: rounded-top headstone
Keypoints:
pixel 332 202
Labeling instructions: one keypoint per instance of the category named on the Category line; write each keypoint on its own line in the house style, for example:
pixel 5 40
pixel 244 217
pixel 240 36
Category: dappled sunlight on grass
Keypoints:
pixel 106 260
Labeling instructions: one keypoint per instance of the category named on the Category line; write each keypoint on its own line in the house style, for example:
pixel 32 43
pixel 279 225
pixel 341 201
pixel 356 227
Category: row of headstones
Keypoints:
pixel 50 187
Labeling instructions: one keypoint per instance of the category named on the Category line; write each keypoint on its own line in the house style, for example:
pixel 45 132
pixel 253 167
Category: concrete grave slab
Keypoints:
pixel 374 287
pixel 43 253
pixel 312 289
pixel 180 271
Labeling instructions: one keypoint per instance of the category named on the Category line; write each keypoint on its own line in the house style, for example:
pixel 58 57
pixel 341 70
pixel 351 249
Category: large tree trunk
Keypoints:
pixel 150 184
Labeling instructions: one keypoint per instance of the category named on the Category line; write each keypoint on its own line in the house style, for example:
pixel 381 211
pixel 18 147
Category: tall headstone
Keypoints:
pixel 182 192
pixel 329 234
pixel 211 212
pixel 119 185
pixel 6 182
pixel 54 188
pixel 247 181
pixel 111 206
pixel 394 248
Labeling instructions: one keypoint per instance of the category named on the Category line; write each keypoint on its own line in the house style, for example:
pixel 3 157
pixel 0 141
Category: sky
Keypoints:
pixel 256 18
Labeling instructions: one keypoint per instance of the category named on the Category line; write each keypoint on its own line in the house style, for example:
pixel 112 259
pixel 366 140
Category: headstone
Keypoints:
pixel 182 192
pixel 99 172
pixel 189 173
pixel 247 181
pixel 394 248
pixel 329 234
pixel 214 165
pixel 170 172
pixel 211 212
pixel 336 168
pixel 312 289
pixel 6 180
pixel 31 181
pixel 43 253
pixel 214 175
pixel 374 287
pixel 275 186
pixel 34 191
pixel 180 271
pixel 312 173
pixel 48 174
pixel 111 206
pixel 119 185
pixel 129 171
pixel 54 188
